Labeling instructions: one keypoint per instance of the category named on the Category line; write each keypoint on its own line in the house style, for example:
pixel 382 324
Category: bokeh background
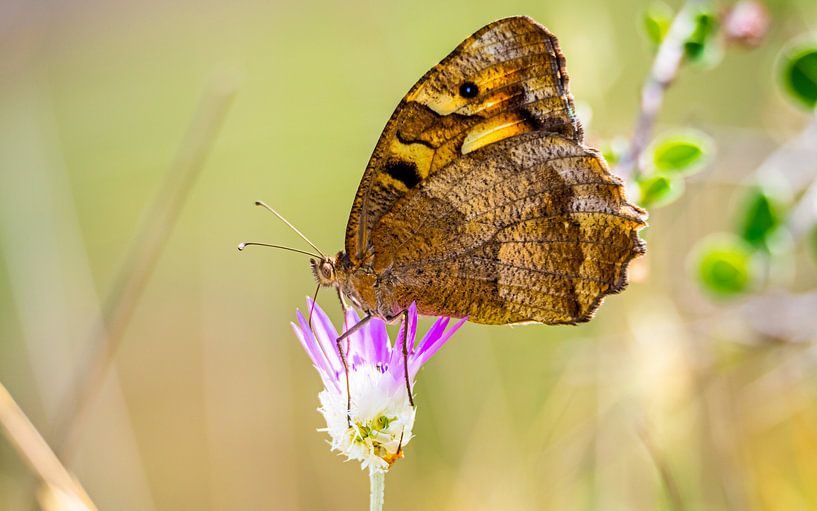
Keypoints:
pixel 672 398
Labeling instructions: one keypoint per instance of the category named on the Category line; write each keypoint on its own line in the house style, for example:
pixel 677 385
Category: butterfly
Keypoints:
pixel 482 200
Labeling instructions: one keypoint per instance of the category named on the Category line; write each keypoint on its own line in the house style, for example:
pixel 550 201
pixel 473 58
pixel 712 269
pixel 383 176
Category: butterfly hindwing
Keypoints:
pixel 541 233
pixel 507 79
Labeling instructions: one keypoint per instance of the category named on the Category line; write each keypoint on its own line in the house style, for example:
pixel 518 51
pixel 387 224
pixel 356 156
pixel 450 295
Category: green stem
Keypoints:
pixel 377 480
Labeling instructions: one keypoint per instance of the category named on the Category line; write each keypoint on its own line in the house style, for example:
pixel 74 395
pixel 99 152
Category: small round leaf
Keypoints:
pixel 724 265
pixel 681 153
pixel 659 190
pixel 762 216
pixel 702 37
pixel 799 74
pixel 657 20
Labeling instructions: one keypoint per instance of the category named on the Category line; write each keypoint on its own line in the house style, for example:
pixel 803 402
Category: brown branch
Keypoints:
pixel 140 261
pixel 58 484
pixel 664 69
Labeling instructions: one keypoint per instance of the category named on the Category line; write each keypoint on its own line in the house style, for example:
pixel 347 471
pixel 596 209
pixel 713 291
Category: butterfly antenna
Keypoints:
pixel 312 306
pixel 242 246
pixel 281 217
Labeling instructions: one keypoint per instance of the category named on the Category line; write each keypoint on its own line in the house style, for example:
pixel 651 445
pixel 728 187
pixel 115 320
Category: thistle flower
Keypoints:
pixel 381 415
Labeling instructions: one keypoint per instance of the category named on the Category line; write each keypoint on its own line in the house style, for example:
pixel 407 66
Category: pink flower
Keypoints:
pixel 381 416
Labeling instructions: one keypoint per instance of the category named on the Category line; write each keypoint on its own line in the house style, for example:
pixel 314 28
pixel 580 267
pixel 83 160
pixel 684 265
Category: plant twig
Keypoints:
pixel 794 161
pixel 58 483
pixel 664 69
pixel 141 259
pixel 804 213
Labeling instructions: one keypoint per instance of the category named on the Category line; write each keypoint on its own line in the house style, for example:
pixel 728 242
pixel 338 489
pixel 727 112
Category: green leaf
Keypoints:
pixel 684 153
pixel 702 38
pixel 657 20
pixel 762 216
pixel 724 265
pixel 799 74
pixel 659 190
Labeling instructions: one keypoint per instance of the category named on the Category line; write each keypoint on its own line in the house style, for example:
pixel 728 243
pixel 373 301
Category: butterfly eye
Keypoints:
pixel 469 90
pixel 327 270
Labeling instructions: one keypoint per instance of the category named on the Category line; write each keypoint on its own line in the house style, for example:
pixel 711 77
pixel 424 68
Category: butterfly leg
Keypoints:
pixel 357 326
pixel 405 357
pixel 342 300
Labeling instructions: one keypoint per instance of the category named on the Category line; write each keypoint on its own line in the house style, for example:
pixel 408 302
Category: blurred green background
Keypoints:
pixel 212 403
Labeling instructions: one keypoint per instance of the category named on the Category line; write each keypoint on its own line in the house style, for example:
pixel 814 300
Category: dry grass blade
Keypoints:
pixel 59 491
pixel 673 492
pixel 141 260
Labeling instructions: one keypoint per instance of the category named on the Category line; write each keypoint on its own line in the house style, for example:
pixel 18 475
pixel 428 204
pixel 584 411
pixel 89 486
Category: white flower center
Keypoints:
pixel 381 416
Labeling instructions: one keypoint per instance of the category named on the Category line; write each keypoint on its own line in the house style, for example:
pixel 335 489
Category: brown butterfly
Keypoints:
pixel 481 199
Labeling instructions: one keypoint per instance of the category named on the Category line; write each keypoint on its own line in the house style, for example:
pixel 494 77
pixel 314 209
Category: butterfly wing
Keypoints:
pixel 541 233
pixel 507 79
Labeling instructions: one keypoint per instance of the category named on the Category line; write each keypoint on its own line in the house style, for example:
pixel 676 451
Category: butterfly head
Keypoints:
pixel 330 271
pixel 354 283
pixel 324 271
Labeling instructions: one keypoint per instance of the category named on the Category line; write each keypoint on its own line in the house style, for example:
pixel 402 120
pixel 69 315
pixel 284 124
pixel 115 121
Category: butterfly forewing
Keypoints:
pixel 505 80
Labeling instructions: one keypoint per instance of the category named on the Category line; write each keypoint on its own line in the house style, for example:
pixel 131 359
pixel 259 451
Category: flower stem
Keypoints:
pixel 377 480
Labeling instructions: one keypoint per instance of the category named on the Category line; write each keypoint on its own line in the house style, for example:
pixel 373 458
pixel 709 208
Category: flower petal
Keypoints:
pixel 312 349
pixel 396 360
pixel 355 344
pixel 326 335
pixel 412 321
pixel 432 347
pixel 380 342
pixel 432 335
pixel 309 343
pixel 350 319
pixel 375 342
